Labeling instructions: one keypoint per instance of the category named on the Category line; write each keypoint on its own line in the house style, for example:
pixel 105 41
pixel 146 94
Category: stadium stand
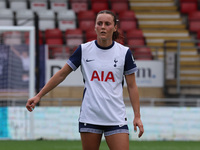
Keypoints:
pixel 144 23
pixel 73 37
pixel 162 22
pixel 59 5
pixel 90 35
pixel 24 17
pixel 53 33
pixel 86 20
pixel 36 5
pixel 187 6
pixel 119 5
pixel 194 21
pixel 66 19
pixel 97 6
pixel 79 5
pixel 12 38
pixel 2 4
pixel 127 20
pixel 6 17
pixel 46 19
pixel 18 5
pixel 143 53
pixel 135 37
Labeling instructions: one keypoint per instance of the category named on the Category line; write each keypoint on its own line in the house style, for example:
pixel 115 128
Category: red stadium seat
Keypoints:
pixel 136 33
pixel 188 7
pixel 79 5
pixel 54 41
pixel 40 34
pixel 188 1
pixel 74 37
pixel 99 5
pixel 119 5
pixel 194 26
pixel 135 38
pixel 91 35
pixel 194 16
pixel 53 33
pixel 135 42
pixel 127 20
pixel 59 52
pixel 86 20
pixel 142 53
pixel 194 21
pixel 198 35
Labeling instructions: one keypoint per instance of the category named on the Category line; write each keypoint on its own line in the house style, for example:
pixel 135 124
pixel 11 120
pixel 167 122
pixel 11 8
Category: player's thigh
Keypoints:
pixel 90 141
pixel 119 141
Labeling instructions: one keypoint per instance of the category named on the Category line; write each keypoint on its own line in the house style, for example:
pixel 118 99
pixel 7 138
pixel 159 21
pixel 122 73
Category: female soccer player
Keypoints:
pixel 104 63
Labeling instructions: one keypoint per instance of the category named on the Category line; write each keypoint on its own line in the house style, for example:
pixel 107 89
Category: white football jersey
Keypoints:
pixel 103 72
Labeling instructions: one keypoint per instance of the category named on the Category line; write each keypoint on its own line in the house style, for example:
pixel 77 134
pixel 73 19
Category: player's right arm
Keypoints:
pixel 51 84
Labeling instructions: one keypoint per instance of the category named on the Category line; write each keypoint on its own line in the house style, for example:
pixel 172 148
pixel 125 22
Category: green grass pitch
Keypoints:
pixel 76 145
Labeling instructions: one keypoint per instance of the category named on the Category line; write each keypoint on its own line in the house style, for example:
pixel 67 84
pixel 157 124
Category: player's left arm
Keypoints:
pixel 134 98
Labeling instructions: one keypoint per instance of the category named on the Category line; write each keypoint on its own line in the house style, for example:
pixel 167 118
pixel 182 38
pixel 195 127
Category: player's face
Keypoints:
pixel 105 26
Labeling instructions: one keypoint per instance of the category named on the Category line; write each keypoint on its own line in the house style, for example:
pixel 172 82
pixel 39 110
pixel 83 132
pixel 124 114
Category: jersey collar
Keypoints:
pixel 108 47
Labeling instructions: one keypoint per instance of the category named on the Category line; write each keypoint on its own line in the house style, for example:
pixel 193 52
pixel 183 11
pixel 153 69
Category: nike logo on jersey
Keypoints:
pixel 89 60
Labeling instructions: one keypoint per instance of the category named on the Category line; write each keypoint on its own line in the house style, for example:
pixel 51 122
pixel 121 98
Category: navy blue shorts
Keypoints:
pixel 99 129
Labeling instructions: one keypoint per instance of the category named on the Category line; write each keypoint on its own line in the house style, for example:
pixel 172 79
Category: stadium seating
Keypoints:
pixel 73 37
pixel 86 20
pixel 99 5
pixel 79 5
pixel 17 5
pixel 12 38
pixel 188 7
pixel 36 5
pixel 25 17
pixel 135 38
pixel 127 20
pixel 198 35
pixel 143 53
pixel 66 19
pixel 2 5
pixel 194 21
pixel 53 37
pixel 53 33
pixel 46 19
pixel 59 52
pixel 59 5
pixel 119 5
pixel 54 40
pixel 6 17
pixel 40 40
pixel 91 35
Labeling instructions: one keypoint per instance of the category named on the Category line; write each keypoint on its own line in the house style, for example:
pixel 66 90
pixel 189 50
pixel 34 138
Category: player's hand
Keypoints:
pixel 31 103
pixel 138 123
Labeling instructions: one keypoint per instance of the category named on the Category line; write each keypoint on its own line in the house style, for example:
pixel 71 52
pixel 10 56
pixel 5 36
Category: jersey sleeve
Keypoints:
pixel 75 59
pixel 130 66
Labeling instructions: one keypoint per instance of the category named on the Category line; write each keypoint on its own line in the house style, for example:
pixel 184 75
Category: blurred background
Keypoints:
pixel 163 35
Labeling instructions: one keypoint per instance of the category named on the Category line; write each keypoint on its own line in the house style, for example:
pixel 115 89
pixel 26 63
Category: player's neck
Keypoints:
pixel 104 43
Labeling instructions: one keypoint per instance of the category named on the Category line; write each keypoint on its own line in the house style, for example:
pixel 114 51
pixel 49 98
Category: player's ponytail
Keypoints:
pixel 117 36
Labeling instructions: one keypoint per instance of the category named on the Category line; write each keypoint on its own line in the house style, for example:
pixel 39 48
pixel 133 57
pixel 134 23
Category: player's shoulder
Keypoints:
pixel 121 47
pixel 87 44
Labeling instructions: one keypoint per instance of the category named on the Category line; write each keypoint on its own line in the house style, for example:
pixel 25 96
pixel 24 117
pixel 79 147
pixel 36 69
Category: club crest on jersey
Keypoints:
pixel 115 61
pixel 102 76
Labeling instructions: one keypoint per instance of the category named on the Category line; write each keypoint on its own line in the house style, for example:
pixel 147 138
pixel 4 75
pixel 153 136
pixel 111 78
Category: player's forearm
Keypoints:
pixel 134 98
